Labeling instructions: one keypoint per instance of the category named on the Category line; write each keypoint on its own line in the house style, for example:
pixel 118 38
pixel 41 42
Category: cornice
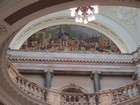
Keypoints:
pixel 69 61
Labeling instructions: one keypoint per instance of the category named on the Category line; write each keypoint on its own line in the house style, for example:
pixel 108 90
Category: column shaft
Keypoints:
pixel 138 71
pixel 96 80
pixel 48 79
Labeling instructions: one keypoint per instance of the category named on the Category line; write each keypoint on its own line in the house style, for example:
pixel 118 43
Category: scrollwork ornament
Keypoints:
pixel 2 29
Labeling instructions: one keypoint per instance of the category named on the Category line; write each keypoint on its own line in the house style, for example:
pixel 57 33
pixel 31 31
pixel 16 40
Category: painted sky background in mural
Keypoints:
pixel 70 38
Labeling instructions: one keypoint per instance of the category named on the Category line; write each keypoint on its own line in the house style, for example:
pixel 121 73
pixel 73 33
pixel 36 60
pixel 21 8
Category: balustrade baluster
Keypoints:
pixel 35 91
pixel 117 98
pixel 113 98
pixel 62 100
pixel 97 99
pixel 94 101
pixel 90 100
pixel 85 101
pixel 69 103
pixel 74 102
pixel 129 92
pixel 77 100
pixel 42 94
pixel 45 96
pixel 26 87
pixel 22 85
pixel 120 95
pixel 80 99
pixel 134 90
pixel 39 93
pixel 18 81
pixel 139 88
pixel 14 78
pixel 125 94
pixel 31 89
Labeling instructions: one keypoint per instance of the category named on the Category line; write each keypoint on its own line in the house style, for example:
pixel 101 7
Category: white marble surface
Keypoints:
pixel 69 55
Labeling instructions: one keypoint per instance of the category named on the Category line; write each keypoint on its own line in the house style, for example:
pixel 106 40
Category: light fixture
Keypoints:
pixel 84 14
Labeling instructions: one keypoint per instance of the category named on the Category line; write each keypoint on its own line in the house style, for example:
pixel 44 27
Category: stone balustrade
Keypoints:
pixel 125 93
pixel 25 85
pixel 79 99
pixel 105 97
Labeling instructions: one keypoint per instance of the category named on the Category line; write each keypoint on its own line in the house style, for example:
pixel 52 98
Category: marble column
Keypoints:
pixel 47 78
pixel 96 81
pixel 138 71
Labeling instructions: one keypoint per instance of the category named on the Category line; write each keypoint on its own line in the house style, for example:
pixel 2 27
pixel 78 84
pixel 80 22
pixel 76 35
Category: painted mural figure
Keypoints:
pixel 69 39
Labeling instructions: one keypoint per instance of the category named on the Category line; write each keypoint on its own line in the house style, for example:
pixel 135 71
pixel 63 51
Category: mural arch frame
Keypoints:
pixel 100 25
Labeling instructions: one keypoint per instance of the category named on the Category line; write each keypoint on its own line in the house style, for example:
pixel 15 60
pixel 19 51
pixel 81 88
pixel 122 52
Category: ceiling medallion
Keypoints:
pixel 84 14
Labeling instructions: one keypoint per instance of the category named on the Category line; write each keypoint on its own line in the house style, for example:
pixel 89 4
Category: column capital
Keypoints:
pixel 48 70
pixel 96 72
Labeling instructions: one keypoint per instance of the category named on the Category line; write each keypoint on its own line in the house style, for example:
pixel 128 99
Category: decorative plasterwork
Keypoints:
pixel 2 29
pixel 128 16
pixel 102 25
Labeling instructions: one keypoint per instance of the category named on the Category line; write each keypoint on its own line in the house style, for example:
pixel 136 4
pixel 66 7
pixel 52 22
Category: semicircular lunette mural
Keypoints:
pixel 69 38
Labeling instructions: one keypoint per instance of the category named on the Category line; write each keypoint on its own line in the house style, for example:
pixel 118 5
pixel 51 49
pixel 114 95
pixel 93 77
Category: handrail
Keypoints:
pixel 108 97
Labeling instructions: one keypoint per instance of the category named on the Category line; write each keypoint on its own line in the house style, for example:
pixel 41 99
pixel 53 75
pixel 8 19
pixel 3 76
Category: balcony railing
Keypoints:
pixel 107 97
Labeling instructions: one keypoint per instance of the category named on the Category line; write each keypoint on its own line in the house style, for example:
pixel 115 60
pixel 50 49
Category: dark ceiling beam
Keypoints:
pixel 41 4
